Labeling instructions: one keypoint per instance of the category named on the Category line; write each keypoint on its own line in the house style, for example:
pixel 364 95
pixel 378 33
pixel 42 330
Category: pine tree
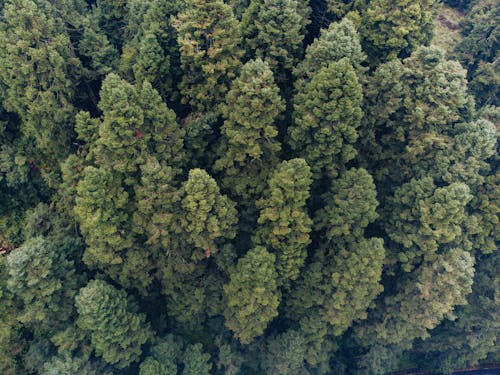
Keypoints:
pixel 42 276
pixel 273 29
pixel 394 28
pixel 207 215
pixel 285 354
pixel 116 330
pixel 252 295
pixel 473 335
pixel 249 148
pixel 151 52
pixel 195 361
pixel 208 36
pixel 422 300
pixel 103 211
pixel 423 217
pixel 135 124
pixel 410 109
pixel 284 224
pixel 202 221
pixel 350 205
pixel 341 8
pixel 327 114
pixel 340 40
pixel 478 51
pixel 163 358
pixel 39 75
pixel 339 286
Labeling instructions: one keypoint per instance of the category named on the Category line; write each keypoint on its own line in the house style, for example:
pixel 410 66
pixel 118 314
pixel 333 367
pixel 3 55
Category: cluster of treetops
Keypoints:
pixel 248 186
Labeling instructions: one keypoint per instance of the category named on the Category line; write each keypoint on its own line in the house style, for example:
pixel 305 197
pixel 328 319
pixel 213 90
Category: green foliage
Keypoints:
pixel 68 365
pixel 478 50
pixel 249 148
pixel 207 214
pixel 208 37
pixel 42 276
pixel 101 208
pixel 151 52
pixel 350 205
pixel 394 28
pixel 422 300
pixel 163 358
pixel 285 354
pixel 273 32
pixel 284 224
pixel 340 285
pixel 341 8
pixel 9 337
pixel 327 113
pixel 474 334
pixel 423 217
pixel 339 40
pixel 229 362
pixel 174 152
pixel 39 74
pixel 116 330
pixel 410 109
pixel 196 361
pixel 252 295
pixel 135 124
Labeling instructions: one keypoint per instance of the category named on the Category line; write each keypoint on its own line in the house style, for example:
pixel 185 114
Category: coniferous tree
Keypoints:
pixel 252 295
pixel 39 75
pixel 196 361
pixel 116 329
pixel 350 205
pixel 474 334
pixel 418 305
pixel 478 51
pixel 163 357
pixel 151 54
pixel 427 94
pixel 284 224
pixel 327 114
pixel 394 28
pixel 339 40
pixel 423 217
pixel 341 8
pixel 249 148
pixel 273 29
pixel 285 354
pixel 207 214
pixel 42 276
pixel 208 37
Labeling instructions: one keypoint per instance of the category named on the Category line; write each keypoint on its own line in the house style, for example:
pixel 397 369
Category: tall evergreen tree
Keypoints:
pixel 116 329
pixel 252 295
pixel 350 205
pixel 39 70
pixel 208 36
pixel 394 28
pixel 285 354
pixel 273 30
pixel 338 41
pixel 42 275
pixel 249 148
pixel 327 114
pixel 424 217
pixel 284 224
pixel 474 334
pixel 418 305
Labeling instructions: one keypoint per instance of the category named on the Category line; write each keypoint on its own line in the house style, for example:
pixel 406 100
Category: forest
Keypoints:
pixel 254 187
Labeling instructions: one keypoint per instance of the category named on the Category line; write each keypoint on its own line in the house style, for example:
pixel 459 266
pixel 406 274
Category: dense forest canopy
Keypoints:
pixel 233 187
